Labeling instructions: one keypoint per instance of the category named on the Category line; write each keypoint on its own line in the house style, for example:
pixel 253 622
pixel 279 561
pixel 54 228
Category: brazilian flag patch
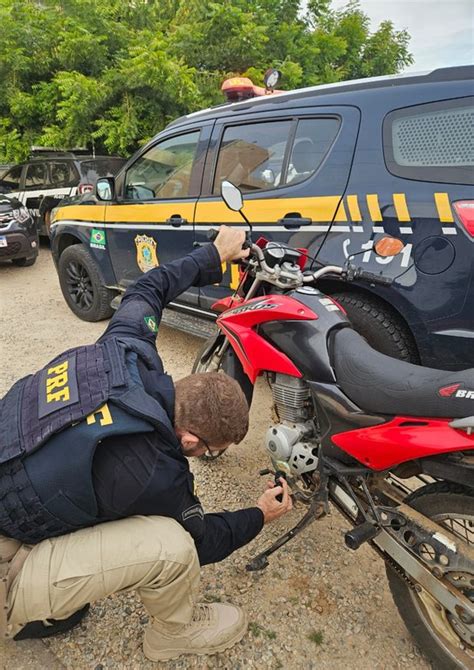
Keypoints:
pixel 151 323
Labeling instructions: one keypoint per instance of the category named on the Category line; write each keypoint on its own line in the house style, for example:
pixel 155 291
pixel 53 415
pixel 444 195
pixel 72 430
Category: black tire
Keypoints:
pixel 381 327
pixel 433 500
pixel 82 285
pixel 24 262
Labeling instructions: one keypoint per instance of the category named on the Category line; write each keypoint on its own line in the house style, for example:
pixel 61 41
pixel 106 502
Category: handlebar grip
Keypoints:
pixel 212 233
pixel 374 278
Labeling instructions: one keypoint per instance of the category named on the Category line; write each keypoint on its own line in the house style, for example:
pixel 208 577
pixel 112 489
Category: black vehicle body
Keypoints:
pixel 18 233
pixel 46 179
pixel 365 175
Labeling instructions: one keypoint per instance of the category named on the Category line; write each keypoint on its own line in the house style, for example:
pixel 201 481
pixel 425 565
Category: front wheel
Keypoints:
pixel 82 286
pixel 445 639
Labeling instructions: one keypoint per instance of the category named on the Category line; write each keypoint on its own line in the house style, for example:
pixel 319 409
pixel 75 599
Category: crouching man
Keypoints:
pixel 96 495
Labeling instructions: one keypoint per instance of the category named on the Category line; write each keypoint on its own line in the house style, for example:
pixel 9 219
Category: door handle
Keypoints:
pixel 294 220
pixel 176 220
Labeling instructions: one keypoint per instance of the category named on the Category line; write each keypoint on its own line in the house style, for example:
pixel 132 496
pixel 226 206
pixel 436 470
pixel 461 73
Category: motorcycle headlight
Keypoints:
pixel 21 214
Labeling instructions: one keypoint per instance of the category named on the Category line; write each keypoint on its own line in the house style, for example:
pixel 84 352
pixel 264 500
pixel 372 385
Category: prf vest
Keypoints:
pixel 51 423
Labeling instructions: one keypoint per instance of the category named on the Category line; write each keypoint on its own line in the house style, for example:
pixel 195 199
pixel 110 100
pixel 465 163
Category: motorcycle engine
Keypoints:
pixel 291 442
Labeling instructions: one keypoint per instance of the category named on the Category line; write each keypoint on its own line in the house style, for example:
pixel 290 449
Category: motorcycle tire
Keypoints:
pixel 230 364
pixel 448 504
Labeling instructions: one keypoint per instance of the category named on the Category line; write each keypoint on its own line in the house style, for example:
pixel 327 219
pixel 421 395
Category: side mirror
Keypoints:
pixel 105 188
pixel 388 246
pixel 232 196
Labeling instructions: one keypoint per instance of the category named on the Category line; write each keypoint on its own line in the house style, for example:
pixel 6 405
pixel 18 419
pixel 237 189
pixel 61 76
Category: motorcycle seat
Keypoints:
pixel 384 385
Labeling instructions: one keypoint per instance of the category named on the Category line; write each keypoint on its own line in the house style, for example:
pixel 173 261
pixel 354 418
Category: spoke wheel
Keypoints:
pixel 446 639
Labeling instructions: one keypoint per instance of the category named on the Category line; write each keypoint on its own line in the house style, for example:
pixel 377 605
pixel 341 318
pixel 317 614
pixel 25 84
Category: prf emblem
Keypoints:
pixel 146 252
pixel 57 387
pixel 103 414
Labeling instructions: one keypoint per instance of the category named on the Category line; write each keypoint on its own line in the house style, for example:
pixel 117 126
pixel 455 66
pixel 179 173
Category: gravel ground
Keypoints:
pixel 317 605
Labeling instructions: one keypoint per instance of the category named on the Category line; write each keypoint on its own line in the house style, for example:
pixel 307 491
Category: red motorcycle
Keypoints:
pixel 389 443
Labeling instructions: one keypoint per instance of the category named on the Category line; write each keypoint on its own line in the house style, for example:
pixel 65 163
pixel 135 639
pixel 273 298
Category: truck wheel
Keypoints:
pixel 382 329
pixel 24 262
pixel 82 286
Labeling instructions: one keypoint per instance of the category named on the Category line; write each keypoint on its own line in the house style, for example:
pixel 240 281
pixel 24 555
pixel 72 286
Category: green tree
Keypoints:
pixel 112 73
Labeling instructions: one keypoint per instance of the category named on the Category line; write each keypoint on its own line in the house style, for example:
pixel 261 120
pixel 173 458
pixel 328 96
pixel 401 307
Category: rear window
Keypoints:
pixel 101 167
pixel 266 155
pixel 62 174
pixel 432 142
pixel 11 180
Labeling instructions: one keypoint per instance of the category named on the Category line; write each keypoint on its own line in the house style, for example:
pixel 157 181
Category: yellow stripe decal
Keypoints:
pixel 92 213
pixel 401 208
pixel 353 204
pixel 149 212
pixel 322 208
pixel 444 208
pixel 234 276
pixel 374 208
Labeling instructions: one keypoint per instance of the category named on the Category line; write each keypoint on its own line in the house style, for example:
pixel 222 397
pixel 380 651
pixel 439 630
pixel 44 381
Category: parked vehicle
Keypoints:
pixel 18 234
pixel 362 431
pixel 42 182
pixel 348 161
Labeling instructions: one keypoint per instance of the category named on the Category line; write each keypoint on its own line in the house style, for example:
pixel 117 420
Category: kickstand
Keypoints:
pixel 316 510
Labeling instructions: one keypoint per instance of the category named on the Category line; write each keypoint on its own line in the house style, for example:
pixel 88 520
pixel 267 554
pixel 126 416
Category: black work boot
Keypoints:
pixel 38 629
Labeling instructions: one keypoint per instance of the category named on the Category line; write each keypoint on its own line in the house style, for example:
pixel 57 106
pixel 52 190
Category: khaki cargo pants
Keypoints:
pixel 153 555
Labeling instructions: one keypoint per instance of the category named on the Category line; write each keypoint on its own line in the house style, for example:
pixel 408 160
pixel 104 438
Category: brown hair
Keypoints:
pixel 213 405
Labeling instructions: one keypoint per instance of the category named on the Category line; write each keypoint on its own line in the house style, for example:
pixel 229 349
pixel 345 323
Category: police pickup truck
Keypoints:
pixel 350 160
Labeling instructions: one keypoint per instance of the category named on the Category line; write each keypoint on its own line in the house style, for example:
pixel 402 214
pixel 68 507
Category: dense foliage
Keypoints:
pixel 113 72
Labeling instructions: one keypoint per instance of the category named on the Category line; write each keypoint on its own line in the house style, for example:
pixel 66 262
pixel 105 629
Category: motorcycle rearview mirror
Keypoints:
pixel 388 246
pixel 232 196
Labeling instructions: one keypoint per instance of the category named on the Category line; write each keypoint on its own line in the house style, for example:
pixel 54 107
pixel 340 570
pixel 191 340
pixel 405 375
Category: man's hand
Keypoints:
pixel 271 508
pixel 229 244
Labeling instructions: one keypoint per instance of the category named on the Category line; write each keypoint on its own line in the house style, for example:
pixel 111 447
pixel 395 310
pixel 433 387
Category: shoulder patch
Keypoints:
pixel 194 510
pixel 151 324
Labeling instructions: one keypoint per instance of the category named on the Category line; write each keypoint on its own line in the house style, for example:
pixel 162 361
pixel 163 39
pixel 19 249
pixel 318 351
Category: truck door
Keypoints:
pixel 151 222
pixel 288 165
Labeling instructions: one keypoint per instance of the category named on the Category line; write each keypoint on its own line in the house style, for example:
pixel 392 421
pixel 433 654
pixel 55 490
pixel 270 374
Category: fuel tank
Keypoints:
pixel 307 343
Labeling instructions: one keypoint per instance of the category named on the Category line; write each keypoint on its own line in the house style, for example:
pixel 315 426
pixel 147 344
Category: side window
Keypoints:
pixel 164 171
pixel 251 156
pixel 432 142
pixel 62 175
pixel 312 141
pixel 35 176
pixel 10 182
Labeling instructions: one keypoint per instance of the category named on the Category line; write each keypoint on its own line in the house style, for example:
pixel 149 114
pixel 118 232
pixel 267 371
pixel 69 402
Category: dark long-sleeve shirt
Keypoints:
pixel 123 465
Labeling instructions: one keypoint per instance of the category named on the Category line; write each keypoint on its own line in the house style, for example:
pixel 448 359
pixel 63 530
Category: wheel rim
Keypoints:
pixel 456 637
pixel 79 285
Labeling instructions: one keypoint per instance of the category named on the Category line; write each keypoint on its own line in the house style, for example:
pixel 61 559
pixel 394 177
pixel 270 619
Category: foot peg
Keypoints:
pixel 355 537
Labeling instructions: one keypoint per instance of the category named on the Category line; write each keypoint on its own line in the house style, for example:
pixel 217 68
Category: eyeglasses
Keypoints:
pixel 212 452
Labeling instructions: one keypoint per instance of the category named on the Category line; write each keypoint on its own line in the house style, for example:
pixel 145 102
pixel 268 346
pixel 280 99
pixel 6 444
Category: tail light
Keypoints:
pixel 85 188
pixel 465 211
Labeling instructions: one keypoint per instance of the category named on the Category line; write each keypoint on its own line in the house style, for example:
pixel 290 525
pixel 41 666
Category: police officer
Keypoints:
pixel 96 495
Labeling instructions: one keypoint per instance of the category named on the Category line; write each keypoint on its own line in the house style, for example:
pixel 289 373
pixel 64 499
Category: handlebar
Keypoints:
pixel 349 273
